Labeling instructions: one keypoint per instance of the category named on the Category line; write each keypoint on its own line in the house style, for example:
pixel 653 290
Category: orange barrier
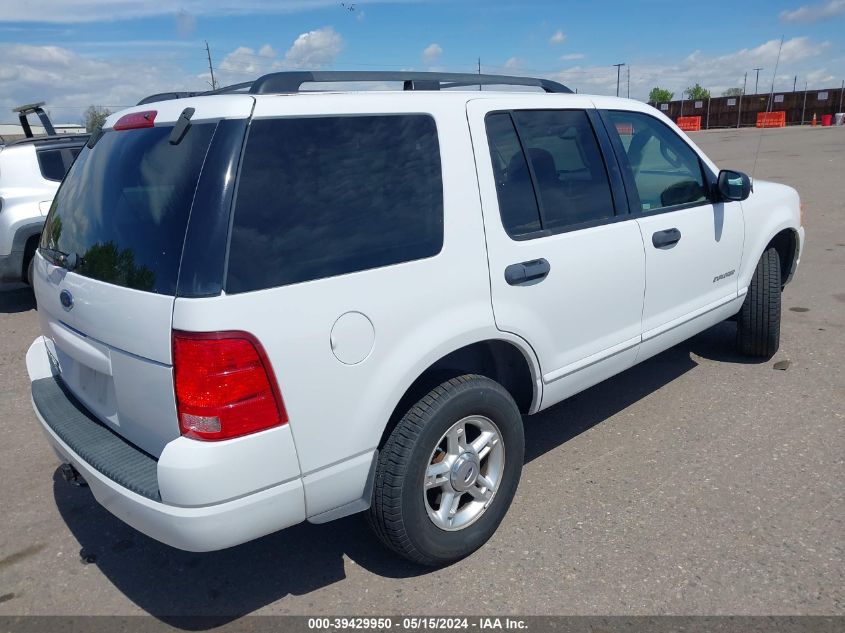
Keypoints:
pixel 771 119
pixel 689 123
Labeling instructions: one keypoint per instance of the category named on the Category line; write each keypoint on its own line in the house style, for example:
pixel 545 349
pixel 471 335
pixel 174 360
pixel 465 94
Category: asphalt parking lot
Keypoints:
pixel 695 483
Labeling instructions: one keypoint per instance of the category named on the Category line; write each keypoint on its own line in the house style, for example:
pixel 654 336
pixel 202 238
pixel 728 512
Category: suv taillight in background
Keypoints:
pixel 224 385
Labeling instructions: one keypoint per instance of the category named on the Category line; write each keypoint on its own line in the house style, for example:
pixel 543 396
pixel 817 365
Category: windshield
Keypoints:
pixel 121 213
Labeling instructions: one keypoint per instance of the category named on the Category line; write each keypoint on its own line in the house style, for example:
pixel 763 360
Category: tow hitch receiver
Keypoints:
pixel 72 476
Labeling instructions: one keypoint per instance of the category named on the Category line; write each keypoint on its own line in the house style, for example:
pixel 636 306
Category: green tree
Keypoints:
pixel 732 92
pixel 94 118
pixel 697 93
pixel 660 95
pixel 106 263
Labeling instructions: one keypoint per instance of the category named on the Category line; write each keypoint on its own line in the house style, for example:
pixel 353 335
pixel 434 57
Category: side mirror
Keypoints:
pixel 733 185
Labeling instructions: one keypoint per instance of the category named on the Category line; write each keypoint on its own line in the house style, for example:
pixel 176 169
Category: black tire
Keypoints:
pixel 29 270
pixel 758 321
pixel 398 513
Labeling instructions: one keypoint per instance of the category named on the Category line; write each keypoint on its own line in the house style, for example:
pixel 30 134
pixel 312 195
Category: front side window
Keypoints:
pixel 325 196
pixel 549 171
pixel 666 171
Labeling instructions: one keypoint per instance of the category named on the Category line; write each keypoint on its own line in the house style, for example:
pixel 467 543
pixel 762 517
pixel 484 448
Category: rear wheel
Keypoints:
pixel 758 321
pixel 448 472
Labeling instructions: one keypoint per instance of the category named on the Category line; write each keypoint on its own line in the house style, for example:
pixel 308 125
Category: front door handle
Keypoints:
pixel 669 237
pixel 525 272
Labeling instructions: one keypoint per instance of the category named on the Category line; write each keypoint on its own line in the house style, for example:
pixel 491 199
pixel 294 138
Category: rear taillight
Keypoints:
pixel 136 120
pixel 224 385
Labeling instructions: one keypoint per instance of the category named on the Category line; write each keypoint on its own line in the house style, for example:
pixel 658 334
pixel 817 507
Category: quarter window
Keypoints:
pixel 550 174
pixel 51 164
pixel 325 196
pixel 666 171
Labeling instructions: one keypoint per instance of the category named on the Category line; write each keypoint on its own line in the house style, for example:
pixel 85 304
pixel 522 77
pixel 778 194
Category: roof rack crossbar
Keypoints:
pixel 287 82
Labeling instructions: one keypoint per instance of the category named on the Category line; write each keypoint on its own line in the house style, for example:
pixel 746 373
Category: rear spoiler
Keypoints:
pixel 34 108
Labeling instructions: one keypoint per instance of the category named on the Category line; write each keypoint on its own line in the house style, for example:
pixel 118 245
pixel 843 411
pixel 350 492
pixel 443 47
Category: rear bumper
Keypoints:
pixel 126 481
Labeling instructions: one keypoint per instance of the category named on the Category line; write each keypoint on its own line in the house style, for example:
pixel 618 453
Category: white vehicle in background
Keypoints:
pixel 31 170
pixel 264 306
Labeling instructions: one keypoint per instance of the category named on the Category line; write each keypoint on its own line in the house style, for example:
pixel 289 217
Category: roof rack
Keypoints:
pixel 291 82
pixel 167 96
pixel 285 82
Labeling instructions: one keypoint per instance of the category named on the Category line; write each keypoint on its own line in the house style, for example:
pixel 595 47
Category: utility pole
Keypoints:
pixel 618 76
pixel 757 81
pixel 804 107
pixel 739 109
pixel 629 81
pixel 210 67
pixel 841 90
pixel 479 72
pixel 794 81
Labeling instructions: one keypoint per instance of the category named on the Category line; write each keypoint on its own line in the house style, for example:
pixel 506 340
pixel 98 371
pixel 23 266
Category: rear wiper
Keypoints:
pixel 181 127
pixel 58 258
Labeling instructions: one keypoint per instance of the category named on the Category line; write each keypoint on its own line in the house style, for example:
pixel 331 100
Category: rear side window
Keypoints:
pixel 325 196
pixel 123 208
pixel 666 170
pixel 51 164
pixel 54 163
pixel 549 170
pixel 517 203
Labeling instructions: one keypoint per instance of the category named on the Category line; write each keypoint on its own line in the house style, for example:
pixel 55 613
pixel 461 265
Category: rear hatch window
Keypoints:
pixel 123 207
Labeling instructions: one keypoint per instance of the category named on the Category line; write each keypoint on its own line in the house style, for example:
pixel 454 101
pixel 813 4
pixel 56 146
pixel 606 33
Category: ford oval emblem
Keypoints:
pixel 66 299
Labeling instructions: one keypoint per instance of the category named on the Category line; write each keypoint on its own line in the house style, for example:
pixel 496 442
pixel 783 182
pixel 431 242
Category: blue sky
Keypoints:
pixel 74 53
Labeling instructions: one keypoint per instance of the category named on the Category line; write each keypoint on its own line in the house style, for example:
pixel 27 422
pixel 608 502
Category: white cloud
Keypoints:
pixel 571 57
pixel 513 63
pixel 800 56
pixel 314 49
pixel 810 13
pixel 244 63
pixel 557 38
pixel 432 53
pixel 75 11
pixel 70 82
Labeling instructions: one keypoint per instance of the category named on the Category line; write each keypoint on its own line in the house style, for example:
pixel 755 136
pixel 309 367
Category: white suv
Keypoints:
pixel 30 172
pixel 271 306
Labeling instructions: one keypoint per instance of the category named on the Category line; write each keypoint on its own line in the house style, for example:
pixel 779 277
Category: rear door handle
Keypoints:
pixel 525 272
pixel 669 237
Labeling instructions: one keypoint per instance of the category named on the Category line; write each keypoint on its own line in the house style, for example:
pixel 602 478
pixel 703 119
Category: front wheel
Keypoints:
pixel 758 321
pixel 448 472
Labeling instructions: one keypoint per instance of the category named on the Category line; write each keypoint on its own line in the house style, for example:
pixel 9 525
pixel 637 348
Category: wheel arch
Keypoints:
pixel 509 362
pixel 786 242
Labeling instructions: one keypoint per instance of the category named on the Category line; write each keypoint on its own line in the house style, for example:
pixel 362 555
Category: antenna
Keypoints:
pixel 768 109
